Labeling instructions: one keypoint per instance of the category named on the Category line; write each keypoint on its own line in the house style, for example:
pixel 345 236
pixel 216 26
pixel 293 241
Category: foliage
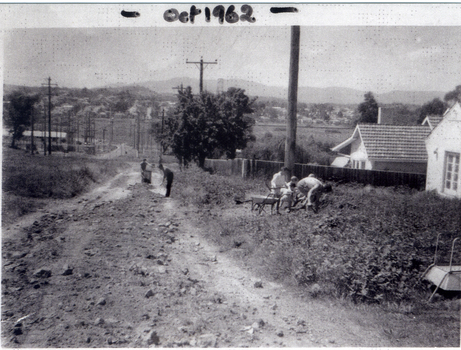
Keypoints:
pixel 366 244
pixel 368 109
pixel 124 101
pixel 272 148
pixel 434 107
pixel 454 95
pixel 55 177
pixel 399 114
pixel 21 108
pixel 209 125
pixel 211 190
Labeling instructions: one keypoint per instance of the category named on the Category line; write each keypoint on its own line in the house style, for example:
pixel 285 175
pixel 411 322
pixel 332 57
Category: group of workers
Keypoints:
pixel 167 175
pixel 307 190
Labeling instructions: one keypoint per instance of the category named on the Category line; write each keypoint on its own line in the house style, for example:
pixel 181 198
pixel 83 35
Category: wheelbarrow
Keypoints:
pixel 444 277
pixel 259 202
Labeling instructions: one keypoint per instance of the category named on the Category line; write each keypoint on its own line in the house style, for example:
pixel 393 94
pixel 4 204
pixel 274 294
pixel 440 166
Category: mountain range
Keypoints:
pixel 334 95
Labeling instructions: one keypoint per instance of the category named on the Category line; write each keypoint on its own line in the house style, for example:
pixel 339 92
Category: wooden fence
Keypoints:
pixel 259 168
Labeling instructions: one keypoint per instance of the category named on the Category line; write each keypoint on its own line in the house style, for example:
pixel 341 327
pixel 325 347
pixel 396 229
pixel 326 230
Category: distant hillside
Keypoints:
pixel 335 95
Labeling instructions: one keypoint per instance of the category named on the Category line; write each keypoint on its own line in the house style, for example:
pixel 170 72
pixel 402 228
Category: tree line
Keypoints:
pixel 368 109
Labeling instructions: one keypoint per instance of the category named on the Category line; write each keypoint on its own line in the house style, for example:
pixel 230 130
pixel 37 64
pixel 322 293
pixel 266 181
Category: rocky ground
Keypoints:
pixel 125 267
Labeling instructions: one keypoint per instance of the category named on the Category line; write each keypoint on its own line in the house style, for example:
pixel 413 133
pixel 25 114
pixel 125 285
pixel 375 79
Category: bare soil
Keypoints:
pixel 123 266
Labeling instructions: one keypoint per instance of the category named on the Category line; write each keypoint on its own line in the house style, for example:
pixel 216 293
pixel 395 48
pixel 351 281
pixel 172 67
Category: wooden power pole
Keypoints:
pixel 201 70
pixel 290 143
pixel 49 113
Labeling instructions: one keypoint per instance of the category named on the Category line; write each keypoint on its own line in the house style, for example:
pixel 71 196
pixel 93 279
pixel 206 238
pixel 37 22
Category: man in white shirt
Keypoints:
pixel 279 181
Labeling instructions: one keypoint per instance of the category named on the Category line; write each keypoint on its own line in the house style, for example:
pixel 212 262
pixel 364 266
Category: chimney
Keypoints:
pixel 379 115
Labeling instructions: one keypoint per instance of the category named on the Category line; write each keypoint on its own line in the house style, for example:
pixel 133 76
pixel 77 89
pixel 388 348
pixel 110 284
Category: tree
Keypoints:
pixel 434 107
pixel 209 124
pixel 368 109
pixel 453 96
pixel 18 118
pixel 124 102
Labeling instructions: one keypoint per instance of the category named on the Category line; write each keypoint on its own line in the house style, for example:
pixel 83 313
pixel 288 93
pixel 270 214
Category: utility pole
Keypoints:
pixel 201 69
pixel 179 88
pixel 32 132
pixel 139 132
pixel 290 144
pixel 44 129
pixel 49 113
pixel 161 129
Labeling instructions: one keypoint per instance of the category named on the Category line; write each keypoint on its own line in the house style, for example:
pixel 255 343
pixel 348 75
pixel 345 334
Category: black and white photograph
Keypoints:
pixel 205 175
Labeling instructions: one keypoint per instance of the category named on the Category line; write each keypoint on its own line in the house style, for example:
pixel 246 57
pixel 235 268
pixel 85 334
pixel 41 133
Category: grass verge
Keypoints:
pixel 28 181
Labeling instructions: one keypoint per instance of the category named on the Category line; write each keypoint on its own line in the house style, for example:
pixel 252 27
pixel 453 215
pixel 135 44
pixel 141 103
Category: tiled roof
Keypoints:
pixel 391 142
pixel 434 120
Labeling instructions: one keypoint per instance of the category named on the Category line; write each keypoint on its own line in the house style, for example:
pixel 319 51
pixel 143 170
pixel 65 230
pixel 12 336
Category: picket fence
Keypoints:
pixel 259 168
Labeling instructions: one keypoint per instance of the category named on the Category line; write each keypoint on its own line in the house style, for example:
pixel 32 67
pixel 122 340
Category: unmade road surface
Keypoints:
pixel 125 267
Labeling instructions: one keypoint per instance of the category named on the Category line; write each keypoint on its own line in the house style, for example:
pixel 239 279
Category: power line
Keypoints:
pixel 201 69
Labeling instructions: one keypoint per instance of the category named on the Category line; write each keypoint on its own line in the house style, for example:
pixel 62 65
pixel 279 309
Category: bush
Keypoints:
pixel 273 149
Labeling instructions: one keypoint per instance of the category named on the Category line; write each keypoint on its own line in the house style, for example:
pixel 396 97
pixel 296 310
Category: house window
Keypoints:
pixel 356 164
pixel 451 181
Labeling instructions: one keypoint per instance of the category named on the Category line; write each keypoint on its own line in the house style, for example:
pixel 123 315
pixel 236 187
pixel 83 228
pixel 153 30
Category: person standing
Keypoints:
pixel 312 188
pixel 168 175
pixel 279 181
pixel 144 165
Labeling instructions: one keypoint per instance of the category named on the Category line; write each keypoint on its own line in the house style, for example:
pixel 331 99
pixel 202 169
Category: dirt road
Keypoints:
pixel 125 267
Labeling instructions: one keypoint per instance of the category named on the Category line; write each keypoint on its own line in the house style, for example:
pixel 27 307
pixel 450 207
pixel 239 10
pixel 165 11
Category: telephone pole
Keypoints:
pixel 290 144
pixel 49 113
pixel 32 131
pixel 179 88
pixel 201 69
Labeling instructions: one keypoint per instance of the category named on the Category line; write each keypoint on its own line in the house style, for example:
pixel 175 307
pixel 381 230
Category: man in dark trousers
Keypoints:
pixel 168 175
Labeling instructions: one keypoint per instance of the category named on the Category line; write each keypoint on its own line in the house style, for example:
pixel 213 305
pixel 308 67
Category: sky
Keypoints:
pixel 366 58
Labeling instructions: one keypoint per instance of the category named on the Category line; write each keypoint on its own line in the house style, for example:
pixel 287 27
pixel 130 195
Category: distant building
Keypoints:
pixel 444 151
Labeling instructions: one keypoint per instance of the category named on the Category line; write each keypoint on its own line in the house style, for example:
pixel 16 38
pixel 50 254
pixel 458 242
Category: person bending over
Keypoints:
pixel 312 188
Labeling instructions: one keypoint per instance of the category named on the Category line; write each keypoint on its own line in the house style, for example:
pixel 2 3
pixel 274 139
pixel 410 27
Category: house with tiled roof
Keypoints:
pixel 399 148
pixel 443 146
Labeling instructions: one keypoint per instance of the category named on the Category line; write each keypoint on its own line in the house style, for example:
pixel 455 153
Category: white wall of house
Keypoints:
pixel 359 158
pixel 444 155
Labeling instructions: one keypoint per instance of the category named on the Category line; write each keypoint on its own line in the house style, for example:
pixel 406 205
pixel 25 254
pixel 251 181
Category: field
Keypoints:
pixel 332 135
